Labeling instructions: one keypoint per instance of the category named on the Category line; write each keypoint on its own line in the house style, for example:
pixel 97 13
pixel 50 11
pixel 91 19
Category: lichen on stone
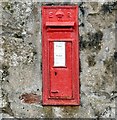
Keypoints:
pixel 91 60
pixel 108 7
pixel 109 63
pixel 93 43
pixel 5 108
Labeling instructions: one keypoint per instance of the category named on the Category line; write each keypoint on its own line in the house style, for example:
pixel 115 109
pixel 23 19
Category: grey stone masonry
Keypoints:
pixel 21 61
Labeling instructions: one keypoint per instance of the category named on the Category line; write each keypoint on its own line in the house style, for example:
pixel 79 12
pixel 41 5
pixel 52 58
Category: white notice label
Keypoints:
pixel 59 54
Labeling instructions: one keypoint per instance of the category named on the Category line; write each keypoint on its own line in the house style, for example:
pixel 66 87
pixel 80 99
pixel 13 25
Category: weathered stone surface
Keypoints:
pixel 21 62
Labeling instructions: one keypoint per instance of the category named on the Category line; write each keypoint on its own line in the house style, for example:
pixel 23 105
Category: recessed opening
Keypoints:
pixel 60 27
pixel 55 73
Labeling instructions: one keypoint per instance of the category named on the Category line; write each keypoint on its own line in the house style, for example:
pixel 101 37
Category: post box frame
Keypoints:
pixel 47 99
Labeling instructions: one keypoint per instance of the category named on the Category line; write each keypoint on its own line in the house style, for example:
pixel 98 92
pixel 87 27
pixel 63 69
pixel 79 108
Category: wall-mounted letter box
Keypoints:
pixel 60 55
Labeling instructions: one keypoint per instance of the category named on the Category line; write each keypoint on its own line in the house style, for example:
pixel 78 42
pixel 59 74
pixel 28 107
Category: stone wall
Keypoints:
pixel 21 61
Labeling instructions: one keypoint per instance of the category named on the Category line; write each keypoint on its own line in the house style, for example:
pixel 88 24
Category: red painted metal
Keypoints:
pixel 60 83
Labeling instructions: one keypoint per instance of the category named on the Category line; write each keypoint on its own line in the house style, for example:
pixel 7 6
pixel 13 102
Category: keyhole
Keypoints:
pixel 55 73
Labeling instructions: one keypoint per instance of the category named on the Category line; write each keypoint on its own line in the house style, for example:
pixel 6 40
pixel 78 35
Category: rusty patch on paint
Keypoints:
pixel 30 98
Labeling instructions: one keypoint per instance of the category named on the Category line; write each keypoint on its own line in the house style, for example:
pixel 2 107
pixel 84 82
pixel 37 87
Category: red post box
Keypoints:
pixel 60 55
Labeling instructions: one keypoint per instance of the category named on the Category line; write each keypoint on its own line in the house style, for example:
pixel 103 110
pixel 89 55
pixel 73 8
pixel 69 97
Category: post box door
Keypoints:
pixel 60 69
